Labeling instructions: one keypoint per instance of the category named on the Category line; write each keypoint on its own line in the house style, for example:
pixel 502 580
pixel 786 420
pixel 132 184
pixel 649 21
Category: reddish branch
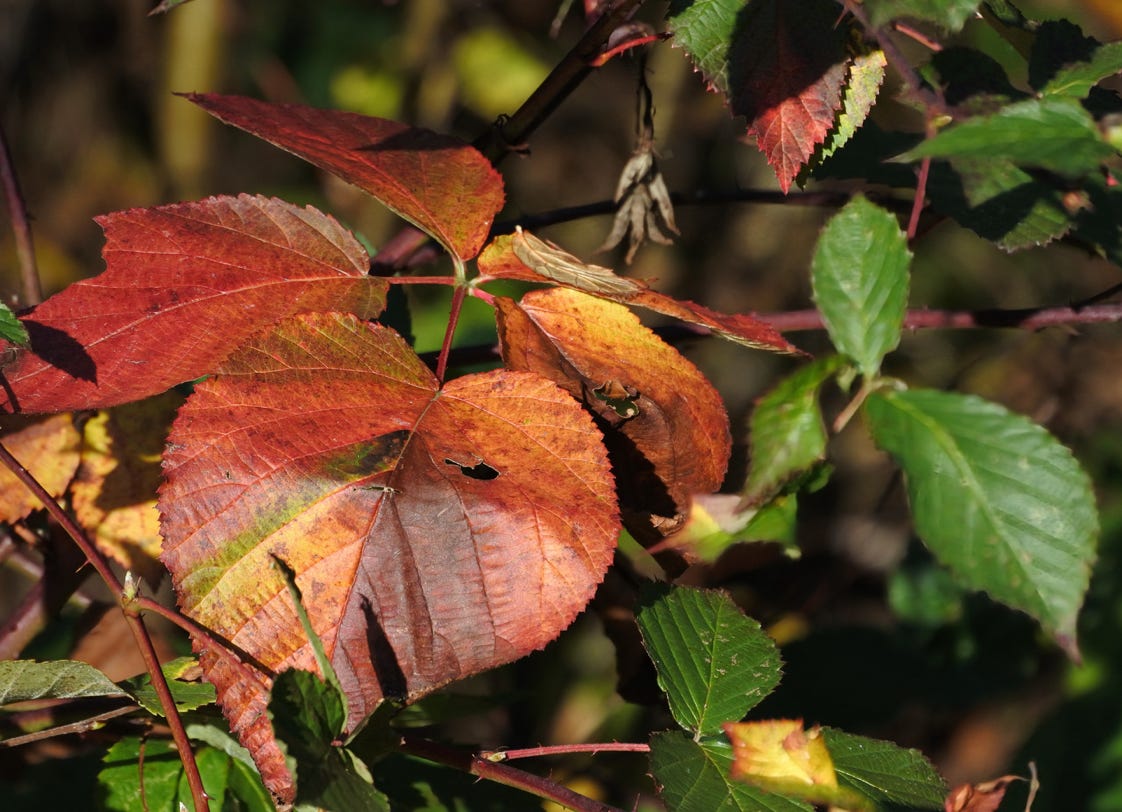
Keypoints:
pixel 1029 318
pixel 136 624
pixel 565 749
pixel 503 774
pixel 30 288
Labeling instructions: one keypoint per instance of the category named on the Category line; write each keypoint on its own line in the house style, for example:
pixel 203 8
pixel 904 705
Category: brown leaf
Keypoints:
pixel 184 285
pixel 114 492
pixel 645 211
pixel 440 184
pixel 48 448
pixel 432 529
pixel 666 411
pixel 526 257
pixel 985 797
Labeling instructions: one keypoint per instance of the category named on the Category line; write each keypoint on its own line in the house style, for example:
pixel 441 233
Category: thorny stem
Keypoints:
pixel 565 749
pixel 503 774
pixel 31 289
pixel 136 624
pixel 510 135
pixel 920 198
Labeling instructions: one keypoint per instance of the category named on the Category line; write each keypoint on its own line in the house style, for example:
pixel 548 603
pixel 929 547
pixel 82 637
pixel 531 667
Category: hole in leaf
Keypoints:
pixel 480 470
pixel 619 397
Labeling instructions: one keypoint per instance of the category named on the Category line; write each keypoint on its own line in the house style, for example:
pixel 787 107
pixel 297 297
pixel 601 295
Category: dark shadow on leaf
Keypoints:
pixel 391 679
pixel 61 351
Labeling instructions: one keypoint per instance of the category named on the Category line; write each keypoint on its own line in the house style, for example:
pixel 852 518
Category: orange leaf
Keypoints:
pixel 440 184
pixel 660 403
pixel 431 528
pixel 114 493
pixel 48 448
pixel 184 285
pixel 528 258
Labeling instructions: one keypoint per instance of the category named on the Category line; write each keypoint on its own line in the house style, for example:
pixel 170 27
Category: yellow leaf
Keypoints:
pixel 48 448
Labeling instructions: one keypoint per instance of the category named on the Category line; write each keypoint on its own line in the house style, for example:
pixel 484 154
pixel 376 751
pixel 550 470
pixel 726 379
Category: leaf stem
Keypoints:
pixel 565 749
pixel 92 723
pixel 135 622
pixel 453 319
pixel 503 774
pixel 30 287
pixel 1030 318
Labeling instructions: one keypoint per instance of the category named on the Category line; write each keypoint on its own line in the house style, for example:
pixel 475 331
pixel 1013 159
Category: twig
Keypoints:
pixel 31 289
pixel 511 132
pixel 85 725
pixel 565 749
pixel 450 331
pixel 136 624
pixel 503 774
pixel 1029 318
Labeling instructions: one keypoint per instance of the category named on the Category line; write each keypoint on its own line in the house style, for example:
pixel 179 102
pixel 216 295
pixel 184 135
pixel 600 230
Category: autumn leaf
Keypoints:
pixel 48 448
pixel 670 415
pixel 983 797
pixel 114 492
pixel 430 528
pixel 780 64
pixel 528 258
pixel 183 285
pixel 440 184
pixel 778 755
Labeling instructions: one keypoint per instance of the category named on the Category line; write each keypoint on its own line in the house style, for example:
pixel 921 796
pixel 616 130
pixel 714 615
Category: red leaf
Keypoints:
pixel 661 403
pixel 984 797
pixel 440 184
pixel 183 286
pixel 432 530
pixel 787 71
pixel 546 262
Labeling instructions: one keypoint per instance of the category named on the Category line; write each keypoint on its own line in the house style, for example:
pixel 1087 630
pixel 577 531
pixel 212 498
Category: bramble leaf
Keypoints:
pixel 787 432
pixel 1053 133
pixel 23 680
pixel 48 447
pixel 860 278
pixel 996 498
pixel 188 693
pixel 781 65
pixel 885 772
pixel 661 403
pixel 12 329
pixel 695 775
pixel 445 187
pixel 184 284
pixel 950 14
pixel 430 528
pixel 713 662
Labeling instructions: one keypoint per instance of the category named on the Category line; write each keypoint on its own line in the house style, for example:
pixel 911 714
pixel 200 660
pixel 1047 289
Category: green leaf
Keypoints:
pixel 188 695
pixel 1052 133
pixel 163 785
pixel 694 775
pixel 996 498
pixel 12 329
pixel 862 84
pixel 23 680
pixel 999 201
pixel 884 772
pixel 308 715
pixel 949 14
pixel 1066 62
pixel 787 432
pixel 860 279
pixel 713 662
pixel 327 671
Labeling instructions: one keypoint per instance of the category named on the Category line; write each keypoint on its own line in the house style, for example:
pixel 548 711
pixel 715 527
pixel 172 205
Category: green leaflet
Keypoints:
pixel 860 279
pixel 996 498
pixel 713 662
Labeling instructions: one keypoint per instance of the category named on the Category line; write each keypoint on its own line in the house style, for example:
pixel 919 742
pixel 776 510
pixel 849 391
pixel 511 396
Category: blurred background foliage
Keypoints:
pixel 877 638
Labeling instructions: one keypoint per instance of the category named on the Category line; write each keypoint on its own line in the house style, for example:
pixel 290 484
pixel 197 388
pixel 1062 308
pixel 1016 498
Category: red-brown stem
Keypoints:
pixel 31 289
pixel 136 625
pixel 453 319
pixel 1026 318
pixel 917 35
pixel 421 280
pixel 74 727
pixel 503 774
pixel 565 749
pixel 920 198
